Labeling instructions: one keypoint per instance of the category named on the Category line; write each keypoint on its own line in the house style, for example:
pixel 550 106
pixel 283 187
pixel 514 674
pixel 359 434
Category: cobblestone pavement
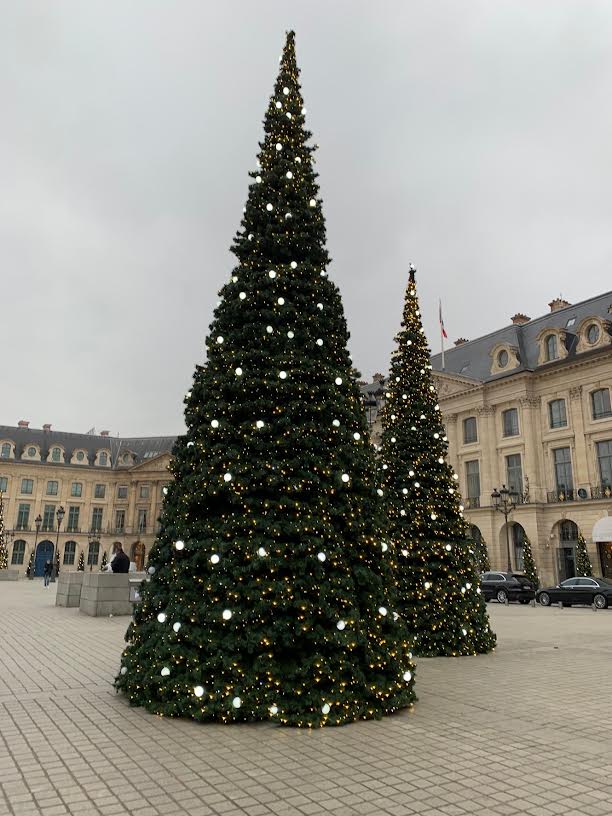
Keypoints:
pixel 526 730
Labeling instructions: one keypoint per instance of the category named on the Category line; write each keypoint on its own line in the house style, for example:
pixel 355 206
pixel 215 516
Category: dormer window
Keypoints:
pixel 592 333
pixel 103 459
pixel 502 358
pixel 80 455
pixel 551 347
pixel 56 454
pixel 31 452
pixel 5 450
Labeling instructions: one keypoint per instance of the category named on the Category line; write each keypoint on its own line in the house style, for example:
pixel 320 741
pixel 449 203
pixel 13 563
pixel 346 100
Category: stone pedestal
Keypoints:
pixel 105 593
pixel 9 575
pixel 69 589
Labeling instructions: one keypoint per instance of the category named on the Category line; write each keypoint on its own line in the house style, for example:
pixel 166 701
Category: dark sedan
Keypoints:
pixel 592 591
pixel 506 586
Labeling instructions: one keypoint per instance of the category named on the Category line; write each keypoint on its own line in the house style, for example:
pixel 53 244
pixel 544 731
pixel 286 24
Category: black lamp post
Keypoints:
pixel 60 517
pixel 505 501
pixel 37 522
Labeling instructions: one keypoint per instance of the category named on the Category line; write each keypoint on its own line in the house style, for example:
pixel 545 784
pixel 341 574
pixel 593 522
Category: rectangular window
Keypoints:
pixel 48 517
pixel 600 401
pixel 557 414
pixel 514 473
pixel 470 430
pixel 56 455
pixel 23 517
pixel 5 450
pixel 27 486
pixel 76 489
pixel 69 552
pixel 93 553
pixel 144 491
pixel 120 521
pixel 604 458
pixel 142 521
pixel 96 520
pixel 510 422
pixel 99 491
pixel 3 484
pixel 52 488
pixel 73 519
pixel 122 491
pixel 472 474
pixel 563 470
pixel 18 553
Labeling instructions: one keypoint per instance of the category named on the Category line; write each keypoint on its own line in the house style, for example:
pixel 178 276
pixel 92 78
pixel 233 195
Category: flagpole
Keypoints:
pixel 441 332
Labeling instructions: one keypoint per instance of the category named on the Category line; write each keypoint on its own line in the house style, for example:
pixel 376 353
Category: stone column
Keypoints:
pixel 489 460
pixel 582 476
pixel 533 465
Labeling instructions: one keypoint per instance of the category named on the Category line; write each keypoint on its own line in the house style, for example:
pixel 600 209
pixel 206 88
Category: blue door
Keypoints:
pixel 44 553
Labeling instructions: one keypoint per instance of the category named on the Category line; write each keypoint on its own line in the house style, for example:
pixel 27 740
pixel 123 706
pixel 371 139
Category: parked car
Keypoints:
pixel 596 591
pixel 507 586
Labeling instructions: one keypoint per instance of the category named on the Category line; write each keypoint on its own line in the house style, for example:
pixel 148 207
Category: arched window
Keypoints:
pixel 568 531
pixel 551 347
pixel 5 450
pixel 56 454
pixel 103 458
pixel 93 553
pixel 518 539
pixel 69 552
pixel 18 552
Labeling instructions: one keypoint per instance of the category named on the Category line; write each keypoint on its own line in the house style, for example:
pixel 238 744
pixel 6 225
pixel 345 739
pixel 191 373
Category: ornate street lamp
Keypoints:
pixel 60 517
pixel 37 522
pixel 505 501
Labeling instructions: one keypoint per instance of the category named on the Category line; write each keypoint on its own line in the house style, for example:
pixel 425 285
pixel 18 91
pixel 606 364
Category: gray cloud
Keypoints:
pixel 471 138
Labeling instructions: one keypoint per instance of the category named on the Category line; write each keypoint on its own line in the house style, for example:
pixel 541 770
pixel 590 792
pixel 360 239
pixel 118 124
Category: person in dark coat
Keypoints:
pixel 47 573
pixel 121 562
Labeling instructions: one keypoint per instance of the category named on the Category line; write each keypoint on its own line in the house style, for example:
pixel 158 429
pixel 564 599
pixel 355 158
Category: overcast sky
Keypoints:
pixel 472 138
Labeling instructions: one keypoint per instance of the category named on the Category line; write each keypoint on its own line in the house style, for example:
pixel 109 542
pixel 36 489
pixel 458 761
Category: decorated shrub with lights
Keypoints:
pixel 583 562
pixel 271 584
pixel 437 578
pixel 3 547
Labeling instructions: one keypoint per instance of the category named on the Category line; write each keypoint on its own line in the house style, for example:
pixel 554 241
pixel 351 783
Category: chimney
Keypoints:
pixel 23 423
pixel 520 319
pixel 558 303
pixel 47 426
pixel 104 433
pixel 460 341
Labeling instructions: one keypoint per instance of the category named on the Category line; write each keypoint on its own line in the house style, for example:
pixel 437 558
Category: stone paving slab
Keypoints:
pixel 526 730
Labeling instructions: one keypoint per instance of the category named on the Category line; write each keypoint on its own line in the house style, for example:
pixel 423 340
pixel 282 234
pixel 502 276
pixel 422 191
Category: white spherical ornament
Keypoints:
pixel 356 436
pixel 417 484
pixel 123 670
pixel 382 611
pixel 242 295
pixel 215 558
pixel 464 632
pixel 441 460
pixel 177 627
pixel 288 215
pixel 269 207
pixel 427 585
pixel 379 491
pixel 463 590
pixel 405 490
pixel 259 423
pixel 326 708
pixel 279 104
pixel 448 548
pixel 273 710
pixel 262 552
pixel 436 436
pixel 258 179
pixel 283 375
pixel 298 160
pixel 338 380
pixel 320 306
pixel 289 174
pixel 345 477
pixel 411 472
pixel 198 691
pixel 250 236
pixel 313 203
pixel 214 423
pixel 478 590
pixel 321 556
pixel 402 512
pixel 340 625
pixel 433 517
pixel 409 343
pixel 319 342
pixel 269 329
pixel 272 273
pixel 336 423
pixel 227 477
pixel 384 546
pixel 294 264
pixel 161 617
pixel 190 444
pixel 286 91
pixel 235 278
pixel 407 676
pixel 165 671
pixel 393 439
pixel 165 491
pixel 385 467
pixel 455 477
pixel 468 586
pixel 405 553
pixel 281 301
pixel 219 340
pixel 279 146
pixel 239 372
pixel 461 508
pixel 151 570
pixel 227 614
pixel 290 335
pixel 404 396
pixel 179 545
pixel 236 702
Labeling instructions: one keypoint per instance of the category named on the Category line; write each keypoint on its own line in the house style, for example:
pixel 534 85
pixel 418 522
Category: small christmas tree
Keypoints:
pixel 480 552
pixel 529 564
pixel 3 547
pixel 30 569
pixel 104 562
pixel 271 595
pixel 81 567
pixel 437 579
pixel 583 562
pixel 57 562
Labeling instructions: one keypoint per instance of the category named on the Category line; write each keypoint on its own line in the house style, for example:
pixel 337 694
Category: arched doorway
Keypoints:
pixel 602 537
pixel 566 551
pixel 138 555
pixel 44 553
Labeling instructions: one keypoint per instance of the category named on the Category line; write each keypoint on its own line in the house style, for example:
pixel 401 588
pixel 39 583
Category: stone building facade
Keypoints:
pixel 110 490
pixel 529 407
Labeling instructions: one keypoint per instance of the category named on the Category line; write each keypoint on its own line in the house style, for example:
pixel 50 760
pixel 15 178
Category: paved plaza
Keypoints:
pixel 525 730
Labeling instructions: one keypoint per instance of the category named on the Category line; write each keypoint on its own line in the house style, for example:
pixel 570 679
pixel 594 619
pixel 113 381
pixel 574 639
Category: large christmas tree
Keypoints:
pixel 271 590
pixel 3 548
pixel 437 578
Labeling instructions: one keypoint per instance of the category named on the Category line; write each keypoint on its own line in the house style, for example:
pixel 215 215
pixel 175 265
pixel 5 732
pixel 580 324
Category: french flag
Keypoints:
pixel 442 329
